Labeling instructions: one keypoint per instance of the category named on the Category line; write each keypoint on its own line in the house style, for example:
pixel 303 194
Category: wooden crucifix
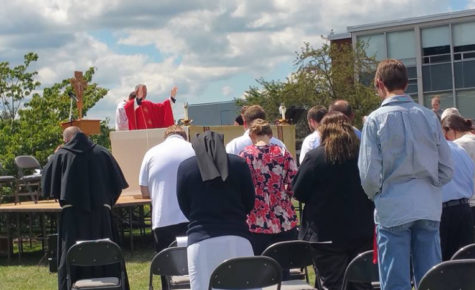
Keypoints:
pixel 79 84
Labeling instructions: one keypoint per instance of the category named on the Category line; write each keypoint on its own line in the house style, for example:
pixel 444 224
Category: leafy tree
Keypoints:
pixel 16 84
pixel 322 76
pixel 36 129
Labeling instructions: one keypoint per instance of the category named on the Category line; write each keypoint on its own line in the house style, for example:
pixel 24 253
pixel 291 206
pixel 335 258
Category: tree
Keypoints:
pixel 36 129
pixel 322 76
pixel 16 84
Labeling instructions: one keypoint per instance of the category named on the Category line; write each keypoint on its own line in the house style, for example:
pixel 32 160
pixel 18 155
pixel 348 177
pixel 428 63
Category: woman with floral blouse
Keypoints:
pixel 273 218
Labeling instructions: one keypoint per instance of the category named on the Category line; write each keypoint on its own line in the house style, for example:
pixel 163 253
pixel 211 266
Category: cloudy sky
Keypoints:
pixel 213 50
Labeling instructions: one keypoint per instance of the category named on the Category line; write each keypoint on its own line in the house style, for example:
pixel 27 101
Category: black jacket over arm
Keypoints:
pixel 215 207
pixel 336 207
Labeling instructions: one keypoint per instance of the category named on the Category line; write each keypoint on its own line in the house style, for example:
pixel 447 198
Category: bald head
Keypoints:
pixel 343 107
pixel 69 133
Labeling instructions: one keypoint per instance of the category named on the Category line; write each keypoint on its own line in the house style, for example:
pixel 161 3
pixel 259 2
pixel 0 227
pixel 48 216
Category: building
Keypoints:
pixel 213 114
pixel 438 50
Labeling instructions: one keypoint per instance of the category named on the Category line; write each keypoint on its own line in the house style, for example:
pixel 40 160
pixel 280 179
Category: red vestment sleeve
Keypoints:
pixel 149 115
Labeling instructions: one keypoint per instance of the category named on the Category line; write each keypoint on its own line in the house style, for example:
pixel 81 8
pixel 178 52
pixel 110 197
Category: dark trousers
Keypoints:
pixel 261 241
pixel 456 229
pixel 331 262
pixel 164 236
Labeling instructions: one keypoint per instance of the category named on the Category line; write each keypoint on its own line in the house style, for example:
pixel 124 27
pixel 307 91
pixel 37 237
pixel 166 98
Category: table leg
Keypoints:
pixel 9 236
pixel 131 228
pixel 20 241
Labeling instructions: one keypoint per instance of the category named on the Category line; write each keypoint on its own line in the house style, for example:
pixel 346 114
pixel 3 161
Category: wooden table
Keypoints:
pixel 52 206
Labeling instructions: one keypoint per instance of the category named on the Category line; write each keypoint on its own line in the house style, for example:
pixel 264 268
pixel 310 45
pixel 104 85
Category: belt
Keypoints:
pixel 70 205
pixel 455 202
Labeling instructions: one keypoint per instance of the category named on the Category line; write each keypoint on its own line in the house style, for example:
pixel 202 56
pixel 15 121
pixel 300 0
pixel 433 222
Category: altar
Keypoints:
pixel 129 147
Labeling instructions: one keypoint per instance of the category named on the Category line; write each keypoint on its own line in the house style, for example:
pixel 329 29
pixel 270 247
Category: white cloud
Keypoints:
pixel 227 90
pixel 166 43
pixel 471 4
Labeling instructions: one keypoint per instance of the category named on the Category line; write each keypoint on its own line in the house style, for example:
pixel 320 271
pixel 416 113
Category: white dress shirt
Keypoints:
pixel 238 144
pixel 121 121
pixel 158 172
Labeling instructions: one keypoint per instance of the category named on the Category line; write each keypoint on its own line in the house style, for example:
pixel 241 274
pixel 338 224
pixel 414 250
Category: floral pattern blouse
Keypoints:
pixel 272 169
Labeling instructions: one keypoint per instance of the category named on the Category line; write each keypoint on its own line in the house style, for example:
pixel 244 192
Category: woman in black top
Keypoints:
pixel 336 207
pixel 215 192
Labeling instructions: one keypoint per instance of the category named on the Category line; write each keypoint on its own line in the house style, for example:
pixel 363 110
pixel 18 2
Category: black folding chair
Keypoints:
pixel 171 263
pixel 246 273
pixel 28 182
pixel 453 274
pixel 95 253
pixel 291 255
pixel 361 269
pixel 467 252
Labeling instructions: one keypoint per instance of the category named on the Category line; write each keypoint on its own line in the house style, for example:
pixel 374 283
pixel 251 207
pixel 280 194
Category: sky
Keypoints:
pixel 212 50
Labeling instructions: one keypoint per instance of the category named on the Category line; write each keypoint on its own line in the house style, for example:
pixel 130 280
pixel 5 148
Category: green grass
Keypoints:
pixel 29 275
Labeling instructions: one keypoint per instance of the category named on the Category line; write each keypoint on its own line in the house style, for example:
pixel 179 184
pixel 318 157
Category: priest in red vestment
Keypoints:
pixel 143 114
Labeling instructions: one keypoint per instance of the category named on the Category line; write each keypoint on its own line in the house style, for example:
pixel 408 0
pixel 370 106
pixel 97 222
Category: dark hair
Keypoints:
pixel 260 127
pixel 338 138
pixel 393 74
pixel 316 113
pixel 457 123
pixel 341 106
pixel 132 95
pixel 239 120
pixel 252 113
pixel 175 130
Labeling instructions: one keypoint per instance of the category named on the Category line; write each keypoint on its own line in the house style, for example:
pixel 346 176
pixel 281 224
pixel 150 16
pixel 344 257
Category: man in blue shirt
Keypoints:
pixel 456 225
pixel 404 160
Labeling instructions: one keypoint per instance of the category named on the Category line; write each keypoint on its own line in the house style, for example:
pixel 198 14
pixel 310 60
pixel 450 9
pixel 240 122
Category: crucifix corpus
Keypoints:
pixel 89 127
pixel 79 84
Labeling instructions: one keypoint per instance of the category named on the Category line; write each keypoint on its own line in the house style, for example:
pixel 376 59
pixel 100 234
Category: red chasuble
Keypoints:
pixel 149 115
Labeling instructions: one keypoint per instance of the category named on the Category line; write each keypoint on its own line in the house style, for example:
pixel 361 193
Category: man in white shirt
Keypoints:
pixel 158 180
pixel 252 113
pixel 312 141
pixel 121 121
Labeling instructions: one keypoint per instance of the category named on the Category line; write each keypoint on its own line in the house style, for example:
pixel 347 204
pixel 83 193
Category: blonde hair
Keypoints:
pixel 260 127
pixel 338 138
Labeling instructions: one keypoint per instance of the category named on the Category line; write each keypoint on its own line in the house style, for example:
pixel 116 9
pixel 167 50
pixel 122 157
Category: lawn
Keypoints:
pixel 30 274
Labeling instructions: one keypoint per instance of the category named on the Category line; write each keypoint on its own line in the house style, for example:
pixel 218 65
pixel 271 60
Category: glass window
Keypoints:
pixel 464 74
pixel 437 77
pixel 464 34
pixel 435 41
pixel 466 103
pixel 435 36
pixel 402 46
pixel 374 45
pixel 446 100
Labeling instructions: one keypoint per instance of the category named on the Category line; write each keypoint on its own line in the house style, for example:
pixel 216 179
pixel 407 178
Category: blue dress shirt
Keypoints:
pixel 461 185
pixel 404 160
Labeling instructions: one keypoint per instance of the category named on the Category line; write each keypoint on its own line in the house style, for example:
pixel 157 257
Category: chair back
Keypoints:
pixel 361 269
pixel 290 254
pixel 94 253
pixel 26 162
pixel 246 273
pixel 467 252
pixel 169 262
pixel 454 274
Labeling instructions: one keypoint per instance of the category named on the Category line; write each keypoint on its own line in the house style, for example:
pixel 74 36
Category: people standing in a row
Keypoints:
pixel 336 207
pixel 87 181
pixel 238 144
pixel 215 192
pixel 273 217
pixel 404 161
